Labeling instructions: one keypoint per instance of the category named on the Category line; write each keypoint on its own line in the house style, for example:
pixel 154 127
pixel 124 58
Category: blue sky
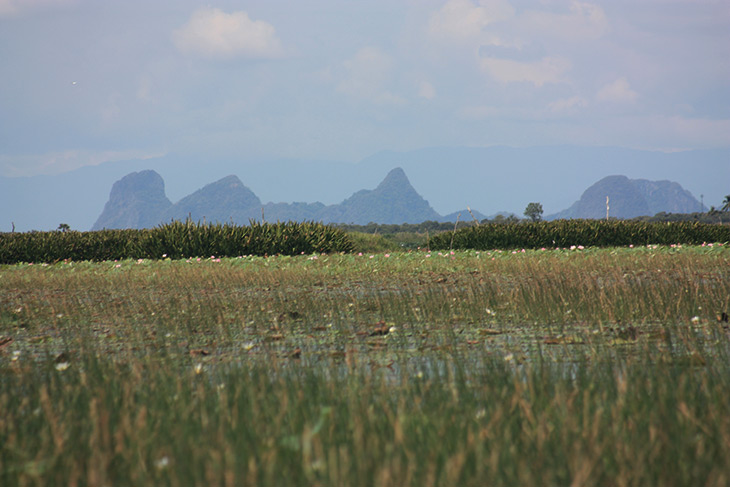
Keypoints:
pixel 88 81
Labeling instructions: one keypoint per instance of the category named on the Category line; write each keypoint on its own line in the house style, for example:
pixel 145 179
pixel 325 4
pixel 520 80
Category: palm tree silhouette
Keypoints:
pixel 726 204
pixel 715 212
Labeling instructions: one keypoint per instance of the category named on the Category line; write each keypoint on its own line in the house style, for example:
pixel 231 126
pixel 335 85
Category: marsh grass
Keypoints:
pixel 591 367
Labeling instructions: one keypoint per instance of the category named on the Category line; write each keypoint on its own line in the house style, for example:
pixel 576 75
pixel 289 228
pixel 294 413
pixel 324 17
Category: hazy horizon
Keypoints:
pixel 225 83
pixel 488 180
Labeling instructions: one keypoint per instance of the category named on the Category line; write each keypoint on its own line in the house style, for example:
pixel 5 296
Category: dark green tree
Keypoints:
pixel 63 227
pixel 726 204
pixel 534 211
pixel 715 212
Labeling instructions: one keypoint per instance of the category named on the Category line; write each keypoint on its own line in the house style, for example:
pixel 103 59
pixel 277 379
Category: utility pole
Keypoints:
pixel 607 208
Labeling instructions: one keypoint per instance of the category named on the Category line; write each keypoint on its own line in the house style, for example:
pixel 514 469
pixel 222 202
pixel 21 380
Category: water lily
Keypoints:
pixel 61 366
pixel 162 463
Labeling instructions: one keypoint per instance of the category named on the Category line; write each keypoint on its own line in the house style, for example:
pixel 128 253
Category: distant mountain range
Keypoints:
pixel 492 179
pixel 629 198
pixel 138 200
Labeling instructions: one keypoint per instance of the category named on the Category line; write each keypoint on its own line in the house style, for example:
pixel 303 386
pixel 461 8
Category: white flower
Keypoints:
pixel 61 366
pixel 163 462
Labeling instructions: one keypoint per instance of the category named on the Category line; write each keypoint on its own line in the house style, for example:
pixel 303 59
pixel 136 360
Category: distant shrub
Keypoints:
pixel 565 233
pixel 174 240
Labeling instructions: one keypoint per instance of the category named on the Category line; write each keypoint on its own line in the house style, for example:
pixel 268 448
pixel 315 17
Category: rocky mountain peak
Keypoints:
pixel 396 180
pixel 222 201
pixel 630 198
pixel 135 201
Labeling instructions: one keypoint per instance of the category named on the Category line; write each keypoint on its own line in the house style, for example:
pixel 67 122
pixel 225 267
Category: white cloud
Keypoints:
pixel 463 21
pixel 426 90
pixel 583 21
pixel 367 76
pixel 111 110
pixel 478 112
pixel 144 89
pixel 11 8
pixel 520 46
pixel 216 34
pixel 617 92
pixel 567 105
pixel 547 70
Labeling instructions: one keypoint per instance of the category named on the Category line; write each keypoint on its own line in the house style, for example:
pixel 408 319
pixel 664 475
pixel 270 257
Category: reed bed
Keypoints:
pixel 569 367
pixel 175 240
pixel 566 233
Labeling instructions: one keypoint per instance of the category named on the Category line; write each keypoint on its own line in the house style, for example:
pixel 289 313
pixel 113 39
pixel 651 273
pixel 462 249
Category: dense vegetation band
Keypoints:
pixel 174 240
pixel 589 233
pixel 187 239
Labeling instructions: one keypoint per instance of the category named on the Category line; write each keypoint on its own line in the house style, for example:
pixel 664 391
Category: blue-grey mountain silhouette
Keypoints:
pixel 136 201
pixel 394 200
pixel 222 201
pixel 631 198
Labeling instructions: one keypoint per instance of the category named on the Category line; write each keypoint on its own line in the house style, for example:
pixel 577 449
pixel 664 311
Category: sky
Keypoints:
pixel 89 81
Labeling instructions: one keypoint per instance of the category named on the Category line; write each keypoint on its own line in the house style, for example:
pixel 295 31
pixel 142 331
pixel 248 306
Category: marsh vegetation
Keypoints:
pixel 557 367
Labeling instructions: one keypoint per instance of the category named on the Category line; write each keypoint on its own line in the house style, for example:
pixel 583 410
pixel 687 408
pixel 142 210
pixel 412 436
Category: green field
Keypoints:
pixel 547 367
